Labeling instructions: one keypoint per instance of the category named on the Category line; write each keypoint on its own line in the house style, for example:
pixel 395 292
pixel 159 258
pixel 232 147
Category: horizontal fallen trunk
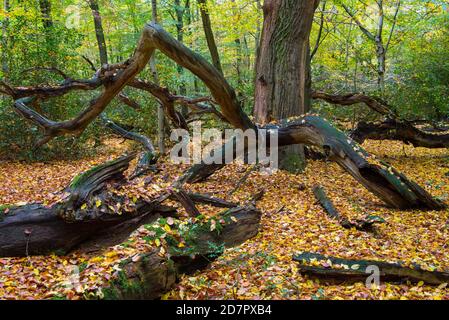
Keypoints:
pixel 150 275
pixel 90 212
pixel 399 131
pixel 380 178
pixel 359 270
pixel 362 224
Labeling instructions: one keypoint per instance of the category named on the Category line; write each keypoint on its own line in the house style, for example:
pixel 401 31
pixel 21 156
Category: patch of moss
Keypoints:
pixel 3 208
pixel 81 178
pixel 293 163
pixel 123 288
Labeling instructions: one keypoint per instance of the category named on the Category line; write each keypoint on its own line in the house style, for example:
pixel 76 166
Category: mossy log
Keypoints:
pixel 333 268
pixel 89 213
pixel 150 275
pixel 379 177
pixel 404 131
pixel 365 224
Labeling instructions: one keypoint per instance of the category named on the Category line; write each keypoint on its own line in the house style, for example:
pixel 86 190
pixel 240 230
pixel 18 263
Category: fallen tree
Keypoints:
pixel 393 128
pixel 365 224
pixel 380 178
pixel 94 211
pixel 404 131
pixel 150 275
pixel 332 268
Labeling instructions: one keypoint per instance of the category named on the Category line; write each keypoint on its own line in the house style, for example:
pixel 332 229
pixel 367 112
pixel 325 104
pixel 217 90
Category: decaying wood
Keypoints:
pixel 333 268
pixel 206 199
pixel 150 275
pixel 374 103
pixel 401 131
pixel 379 178
pixel 88 211
pixel 183 198
pixel 363 224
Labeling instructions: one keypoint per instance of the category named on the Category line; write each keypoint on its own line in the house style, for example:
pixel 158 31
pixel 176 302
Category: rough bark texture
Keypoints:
pixel 88 212
pixel 283 81
pixel 401 131
pixel 151 275
pixel 333 268
pixel 282 63
pixel 377 176
pixel 207 26
pixel 385 182
pixel 99 33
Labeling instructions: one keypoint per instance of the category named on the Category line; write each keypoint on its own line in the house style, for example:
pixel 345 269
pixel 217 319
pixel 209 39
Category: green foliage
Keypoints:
pixel 417 72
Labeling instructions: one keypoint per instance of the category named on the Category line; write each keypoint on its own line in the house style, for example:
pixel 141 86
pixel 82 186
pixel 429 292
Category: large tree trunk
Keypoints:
pixel 281 84
pixel 283 81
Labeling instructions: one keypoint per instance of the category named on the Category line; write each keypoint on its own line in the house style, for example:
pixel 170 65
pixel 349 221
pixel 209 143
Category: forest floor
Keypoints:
pixel 262 268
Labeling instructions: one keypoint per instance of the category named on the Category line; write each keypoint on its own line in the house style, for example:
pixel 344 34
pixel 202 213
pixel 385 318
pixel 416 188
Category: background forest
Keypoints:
pixel 59 34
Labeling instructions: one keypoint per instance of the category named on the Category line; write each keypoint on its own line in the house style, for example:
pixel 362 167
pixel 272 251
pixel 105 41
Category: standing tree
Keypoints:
pixel 99 33
pixel 283 69
pixel 5 35
pixel 207 26
pixel 378 39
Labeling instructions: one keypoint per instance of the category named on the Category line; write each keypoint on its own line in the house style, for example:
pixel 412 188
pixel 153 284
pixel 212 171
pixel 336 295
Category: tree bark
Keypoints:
pixel 404 131
pixel 160 108
pixel 283 80
pixel 207 26
pixel 5 42
pixel 281 90
pixel 89 214
pixel 150 275
pixel 99 33
pixel 333 268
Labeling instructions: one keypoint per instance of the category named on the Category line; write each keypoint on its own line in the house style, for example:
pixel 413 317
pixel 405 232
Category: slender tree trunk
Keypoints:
pixel 180 11
pixel 5 35
pixel 207 26
pixel 160 109
pixel 283 81
pixel 99 33
pixel 45 7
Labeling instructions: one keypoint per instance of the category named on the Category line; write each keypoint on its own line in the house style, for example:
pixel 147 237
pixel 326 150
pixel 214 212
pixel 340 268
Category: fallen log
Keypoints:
pixel 88 211
pixel 361 224
pixel 333 268
pixel 379 177
pixel 150 275
pixel 399 131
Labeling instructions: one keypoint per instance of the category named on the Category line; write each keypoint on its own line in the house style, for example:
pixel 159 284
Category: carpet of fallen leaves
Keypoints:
pixel 262 268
